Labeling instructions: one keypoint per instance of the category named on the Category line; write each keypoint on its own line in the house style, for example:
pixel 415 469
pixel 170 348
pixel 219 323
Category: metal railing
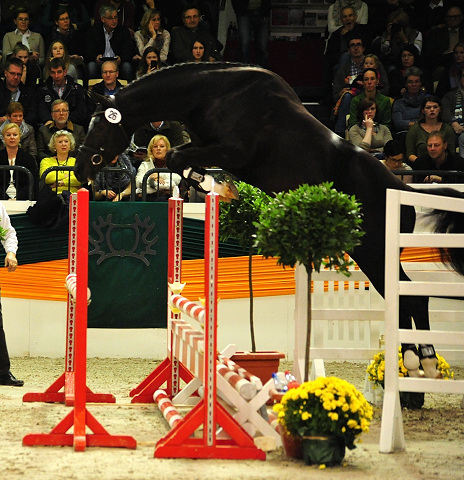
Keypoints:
pixel 26 171
pixel 158 192
pixel 123 170
pixel 452 176
pixel 56 169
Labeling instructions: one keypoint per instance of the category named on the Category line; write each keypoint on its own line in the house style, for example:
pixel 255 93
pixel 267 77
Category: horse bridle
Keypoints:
pixel 98 154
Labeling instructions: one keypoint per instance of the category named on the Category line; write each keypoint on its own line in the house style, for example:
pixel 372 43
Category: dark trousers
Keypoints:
pixel 4 357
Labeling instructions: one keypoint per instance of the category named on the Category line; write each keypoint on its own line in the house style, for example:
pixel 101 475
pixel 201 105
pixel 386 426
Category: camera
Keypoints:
pixel 396 27
pixel 153 64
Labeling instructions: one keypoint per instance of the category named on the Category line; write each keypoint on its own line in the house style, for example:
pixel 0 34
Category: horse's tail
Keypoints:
pixel 448 222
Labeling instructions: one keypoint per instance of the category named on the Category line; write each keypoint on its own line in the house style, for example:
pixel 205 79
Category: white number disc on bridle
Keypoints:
pixel 113 115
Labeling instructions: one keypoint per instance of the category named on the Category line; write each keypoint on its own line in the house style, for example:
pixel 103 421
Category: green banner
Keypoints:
pixel 128 264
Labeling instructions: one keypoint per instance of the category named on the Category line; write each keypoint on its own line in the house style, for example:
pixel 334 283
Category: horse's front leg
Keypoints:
pixel 186 160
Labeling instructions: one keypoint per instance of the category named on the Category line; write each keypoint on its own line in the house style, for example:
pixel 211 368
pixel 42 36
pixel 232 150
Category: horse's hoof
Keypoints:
pixel 416 373
pixel 429 365
pixel 411 360
pixel 227 191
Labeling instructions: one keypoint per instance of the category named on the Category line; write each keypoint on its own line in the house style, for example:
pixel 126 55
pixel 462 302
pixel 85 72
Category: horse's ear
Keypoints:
pixel 97 98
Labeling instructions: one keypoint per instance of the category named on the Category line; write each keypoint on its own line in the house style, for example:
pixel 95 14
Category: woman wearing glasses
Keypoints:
pixel 33 41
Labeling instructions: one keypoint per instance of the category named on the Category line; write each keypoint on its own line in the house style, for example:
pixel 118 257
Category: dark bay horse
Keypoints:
pixel 251 123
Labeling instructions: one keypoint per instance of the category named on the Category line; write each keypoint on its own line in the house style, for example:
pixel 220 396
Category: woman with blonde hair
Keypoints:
pixel 57 49
pixel 160 184
pixel 14 184
pixel 61 143
pixel 151 34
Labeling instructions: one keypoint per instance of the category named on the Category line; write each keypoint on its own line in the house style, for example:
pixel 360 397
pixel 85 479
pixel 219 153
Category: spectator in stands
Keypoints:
pixel 440 42
pixel 370 84
pixel 394 152
pixel 160 185
pixel 431 14
pixel 380 11
pixel 253 21
pixel 78 15
pixel 406 111
pixel 334 15
pixel 182 38
pixel 408 57
pixel 57 49
pixel 366 133
pixel 453 103
pixel 13 90
pixel 337 45
pixel 15 114
pixel 429 121
pixel 398 33
pixel 60 121
pixel 110 83
pixel 61 86
pixel 198 52
pixel 451 75
pixel 72 38
pixel 14 184
pixel 149 63
pixel 32 40
pixel 173 130
pixel 125 10
pixel 438 157
pixel 61 144
pixel 152 34
pixel 31 71
pixel 114 186
pixel 110 41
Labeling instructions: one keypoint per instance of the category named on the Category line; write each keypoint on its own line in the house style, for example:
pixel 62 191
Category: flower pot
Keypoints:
pixel 412 400
pixel 329 450
pixel 291 443
pixel 262 364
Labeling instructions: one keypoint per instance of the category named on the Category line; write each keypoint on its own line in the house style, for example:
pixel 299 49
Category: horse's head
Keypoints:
pixel 105 139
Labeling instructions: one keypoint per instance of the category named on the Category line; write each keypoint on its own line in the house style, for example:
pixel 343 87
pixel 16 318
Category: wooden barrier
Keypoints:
pixel 79 418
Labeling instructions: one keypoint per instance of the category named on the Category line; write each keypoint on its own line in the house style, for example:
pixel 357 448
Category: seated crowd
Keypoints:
pixel 396 71
pixel 50 62
pixel 400 81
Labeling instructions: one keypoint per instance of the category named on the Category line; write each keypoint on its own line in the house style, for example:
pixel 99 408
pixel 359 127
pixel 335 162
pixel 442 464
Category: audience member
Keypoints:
pixel 253 21
pixel 334 14
pixel 394 152
pixel 451 75
pixel 59 85
pixel 110 83
pixel 32 40
pixel 149 63
pixel 160 185
pixel 73 38
pixel 15 114
pixel 431 14
pixel 14 184
pixel 13 90
pixel 32 75
pixel 440 42
pixel 171 129
pixel 429 121
pixel 380 11
pixel 182 38
pixel 370 84
pixel 61 144
pixel 114 185
pixel 109 40
pixel 198 52
pixel 125 10
pixel 152 34
pixel 397 34
pixel 366 133
pixel 438 157
pixel 453 103
pixel 406 110
pixel 60 121
pixel 77 13
pixel 57 49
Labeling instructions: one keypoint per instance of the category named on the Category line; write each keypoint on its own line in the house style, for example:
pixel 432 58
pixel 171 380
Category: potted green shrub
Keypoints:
pixel 313 225
pixel 238 220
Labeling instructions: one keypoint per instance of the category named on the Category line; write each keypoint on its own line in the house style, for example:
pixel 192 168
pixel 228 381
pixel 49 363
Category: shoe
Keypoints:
pixel 10 380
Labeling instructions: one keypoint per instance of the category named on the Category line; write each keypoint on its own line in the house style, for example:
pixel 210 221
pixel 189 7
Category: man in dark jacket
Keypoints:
pixel 110 41
pixel 253 18
pixel 13 90
pixel 61 86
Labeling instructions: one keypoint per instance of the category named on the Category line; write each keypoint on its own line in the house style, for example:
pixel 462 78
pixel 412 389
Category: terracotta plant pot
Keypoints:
pixel 291 443
pixel 262 364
